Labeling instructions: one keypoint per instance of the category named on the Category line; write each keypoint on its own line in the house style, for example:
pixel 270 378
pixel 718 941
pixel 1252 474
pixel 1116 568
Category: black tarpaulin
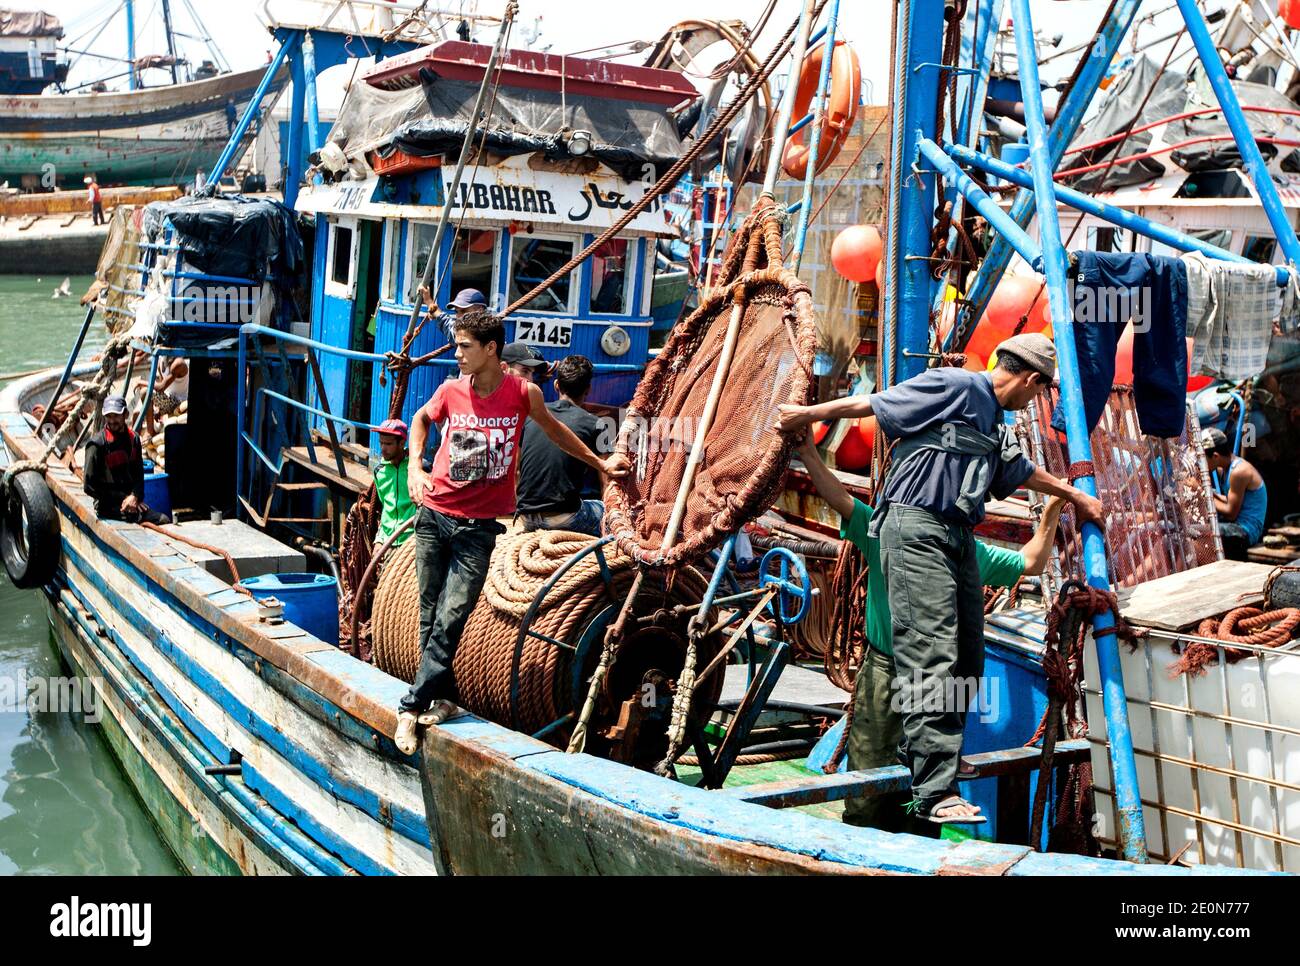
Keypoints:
pixel 232 235
pixel 625 135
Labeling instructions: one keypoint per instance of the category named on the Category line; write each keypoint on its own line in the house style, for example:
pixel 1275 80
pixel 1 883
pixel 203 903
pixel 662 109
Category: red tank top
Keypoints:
pixel 474 471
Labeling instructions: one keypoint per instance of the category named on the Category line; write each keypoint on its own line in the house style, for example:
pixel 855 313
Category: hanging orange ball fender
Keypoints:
pixel 841 108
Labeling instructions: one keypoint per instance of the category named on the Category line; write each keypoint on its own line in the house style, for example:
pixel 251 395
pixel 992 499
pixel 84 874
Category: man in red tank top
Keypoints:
pixel 482 416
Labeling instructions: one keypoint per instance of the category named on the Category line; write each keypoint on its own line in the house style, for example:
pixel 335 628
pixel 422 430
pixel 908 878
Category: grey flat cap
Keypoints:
pixel 1212 439
pixel 1033 349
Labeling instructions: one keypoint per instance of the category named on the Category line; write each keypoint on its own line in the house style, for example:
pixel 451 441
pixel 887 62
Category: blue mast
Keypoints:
pixel 905 321
pixel 1128 803
pixel 130 43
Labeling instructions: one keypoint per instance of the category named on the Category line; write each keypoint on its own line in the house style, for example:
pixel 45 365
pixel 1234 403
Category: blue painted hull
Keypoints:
pixel 188 676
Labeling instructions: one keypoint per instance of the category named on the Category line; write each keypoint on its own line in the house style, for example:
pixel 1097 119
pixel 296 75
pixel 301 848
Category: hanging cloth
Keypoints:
pixel 1231 310
pixel 1107 290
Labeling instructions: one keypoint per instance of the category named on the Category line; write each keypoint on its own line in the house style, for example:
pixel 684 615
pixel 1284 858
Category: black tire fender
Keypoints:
pixel 29 536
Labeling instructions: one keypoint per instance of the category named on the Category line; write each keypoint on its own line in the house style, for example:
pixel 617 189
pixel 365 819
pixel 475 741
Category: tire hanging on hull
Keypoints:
pixel 29 537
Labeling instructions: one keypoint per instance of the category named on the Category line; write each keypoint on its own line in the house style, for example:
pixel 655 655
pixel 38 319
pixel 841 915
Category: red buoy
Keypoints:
pixel 856 252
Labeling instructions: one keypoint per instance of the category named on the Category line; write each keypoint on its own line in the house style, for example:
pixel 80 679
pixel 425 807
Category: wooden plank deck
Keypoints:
pixel 1179 601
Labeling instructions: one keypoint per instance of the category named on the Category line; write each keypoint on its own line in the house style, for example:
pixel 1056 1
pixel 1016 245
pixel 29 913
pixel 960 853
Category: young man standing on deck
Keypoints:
pixel 877 728
pixel 952 449
pixel 550 481
pixel 472 484
pixel 391 486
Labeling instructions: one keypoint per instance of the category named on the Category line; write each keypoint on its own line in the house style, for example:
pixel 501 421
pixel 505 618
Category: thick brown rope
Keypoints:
pixel 1262 629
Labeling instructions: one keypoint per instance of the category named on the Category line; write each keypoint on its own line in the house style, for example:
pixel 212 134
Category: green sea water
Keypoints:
pixel 65 806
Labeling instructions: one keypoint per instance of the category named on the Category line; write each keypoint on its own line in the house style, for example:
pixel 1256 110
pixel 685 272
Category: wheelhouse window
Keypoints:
pixel 1259 248
pixel 340 260
pixel 392 260
pixel 611 278
pixel 419 242
pixel 474 261
pixel 533 259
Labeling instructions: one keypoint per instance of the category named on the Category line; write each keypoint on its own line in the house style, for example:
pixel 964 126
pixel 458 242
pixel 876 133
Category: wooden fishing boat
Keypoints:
pixel 260 739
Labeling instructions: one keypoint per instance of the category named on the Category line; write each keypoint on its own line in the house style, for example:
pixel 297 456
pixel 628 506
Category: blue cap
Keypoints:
pixel 467 297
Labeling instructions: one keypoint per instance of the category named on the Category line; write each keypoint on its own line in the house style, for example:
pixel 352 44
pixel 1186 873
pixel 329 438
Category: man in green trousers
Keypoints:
pixel 952 448
pixel 877 728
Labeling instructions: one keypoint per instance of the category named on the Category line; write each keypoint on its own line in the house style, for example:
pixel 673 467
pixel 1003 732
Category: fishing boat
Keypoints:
pixel 250 664
pixel 146 134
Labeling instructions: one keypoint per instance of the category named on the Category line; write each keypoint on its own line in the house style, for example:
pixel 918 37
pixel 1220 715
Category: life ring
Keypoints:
pixel 29 531
pixel 841 108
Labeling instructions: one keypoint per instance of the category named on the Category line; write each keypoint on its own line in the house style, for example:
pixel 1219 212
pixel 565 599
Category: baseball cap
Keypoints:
pixel 467 297
pixel 115 404
pixel 393 427
pixel 518 354
pixel 1212 439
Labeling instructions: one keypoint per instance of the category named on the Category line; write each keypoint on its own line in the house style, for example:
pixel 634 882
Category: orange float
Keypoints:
pixel 856 253
pixel 1289 11
pixel 839 115
pixel 854 451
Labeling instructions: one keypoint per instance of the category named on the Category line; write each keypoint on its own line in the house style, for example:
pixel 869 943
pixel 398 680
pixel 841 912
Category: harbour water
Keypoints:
pixel 65 806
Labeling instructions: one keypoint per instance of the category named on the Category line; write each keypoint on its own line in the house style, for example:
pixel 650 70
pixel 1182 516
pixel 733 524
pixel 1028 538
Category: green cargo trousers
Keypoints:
pixel 874 741
pixel 937 604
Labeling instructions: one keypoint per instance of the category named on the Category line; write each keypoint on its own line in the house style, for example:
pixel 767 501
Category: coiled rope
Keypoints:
pixel 1261 629
pixel 484 663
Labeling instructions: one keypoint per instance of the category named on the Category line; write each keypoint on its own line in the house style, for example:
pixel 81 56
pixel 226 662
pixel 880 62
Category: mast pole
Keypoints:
pixel 130 44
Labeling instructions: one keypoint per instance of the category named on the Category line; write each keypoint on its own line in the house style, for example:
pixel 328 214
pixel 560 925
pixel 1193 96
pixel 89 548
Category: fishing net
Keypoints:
pixel 743 459
pixel 1160 517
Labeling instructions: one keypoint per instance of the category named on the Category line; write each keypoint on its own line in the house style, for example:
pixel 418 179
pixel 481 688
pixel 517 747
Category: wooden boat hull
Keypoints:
pixel 158 135
pixel 187 675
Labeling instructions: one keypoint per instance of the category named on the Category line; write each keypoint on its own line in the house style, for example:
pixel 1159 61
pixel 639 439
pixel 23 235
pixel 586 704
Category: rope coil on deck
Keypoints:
pixel 1261 629
pixel 484 662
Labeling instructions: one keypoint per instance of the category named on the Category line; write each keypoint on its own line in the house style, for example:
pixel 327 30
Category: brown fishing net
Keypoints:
pixel 743 459
pixel 1160 516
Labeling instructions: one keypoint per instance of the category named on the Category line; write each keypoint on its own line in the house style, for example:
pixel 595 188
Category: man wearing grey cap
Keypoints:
pixel 951 449
pixel 113 469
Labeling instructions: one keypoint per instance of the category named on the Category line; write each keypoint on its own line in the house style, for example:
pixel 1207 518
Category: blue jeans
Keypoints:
pixel 451 564
pixel 586 519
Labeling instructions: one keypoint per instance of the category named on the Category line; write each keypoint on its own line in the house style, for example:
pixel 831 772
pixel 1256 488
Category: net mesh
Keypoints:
pixel 1160 517
pixel 743 458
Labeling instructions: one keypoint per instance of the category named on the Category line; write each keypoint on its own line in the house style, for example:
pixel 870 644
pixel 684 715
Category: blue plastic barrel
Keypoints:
pixel 156 495
pixel 310 600
pixel 1013 152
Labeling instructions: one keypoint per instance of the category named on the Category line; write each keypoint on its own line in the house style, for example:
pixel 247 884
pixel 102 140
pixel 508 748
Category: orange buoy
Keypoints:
pixel 839 115
pixel 856 252
pixel 1289 11
pixel 854 451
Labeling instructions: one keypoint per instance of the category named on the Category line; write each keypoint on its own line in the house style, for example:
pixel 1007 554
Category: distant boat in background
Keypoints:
pixel 53 136
pixel 151 136
pixel 29 58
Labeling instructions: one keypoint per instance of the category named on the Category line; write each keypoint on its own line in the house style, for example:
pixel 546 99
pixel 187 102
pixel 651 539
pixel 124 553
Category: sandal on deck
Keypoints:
pixel 948 802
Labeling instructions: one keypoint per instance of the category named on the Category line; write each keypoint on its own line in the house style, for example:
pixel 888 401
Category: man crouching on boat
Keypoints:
pixel 951 450
pixel 114 469
pixel 472 484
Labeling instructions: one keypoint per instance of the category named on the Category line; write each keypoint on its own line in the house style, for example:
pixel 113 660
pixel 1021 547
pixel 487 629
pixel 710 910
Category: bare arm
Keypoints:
pixel 1087 508
pixel 565 438
pixel 791 417
pixel 417 481
pixel 1229 506
pixel 1039 548
pixel 827 483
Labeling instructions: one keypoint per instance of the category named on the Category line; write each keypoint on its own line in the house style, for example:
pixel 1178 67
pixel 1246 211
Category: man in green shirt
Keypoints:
pixel 877 724
pixel 390 482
